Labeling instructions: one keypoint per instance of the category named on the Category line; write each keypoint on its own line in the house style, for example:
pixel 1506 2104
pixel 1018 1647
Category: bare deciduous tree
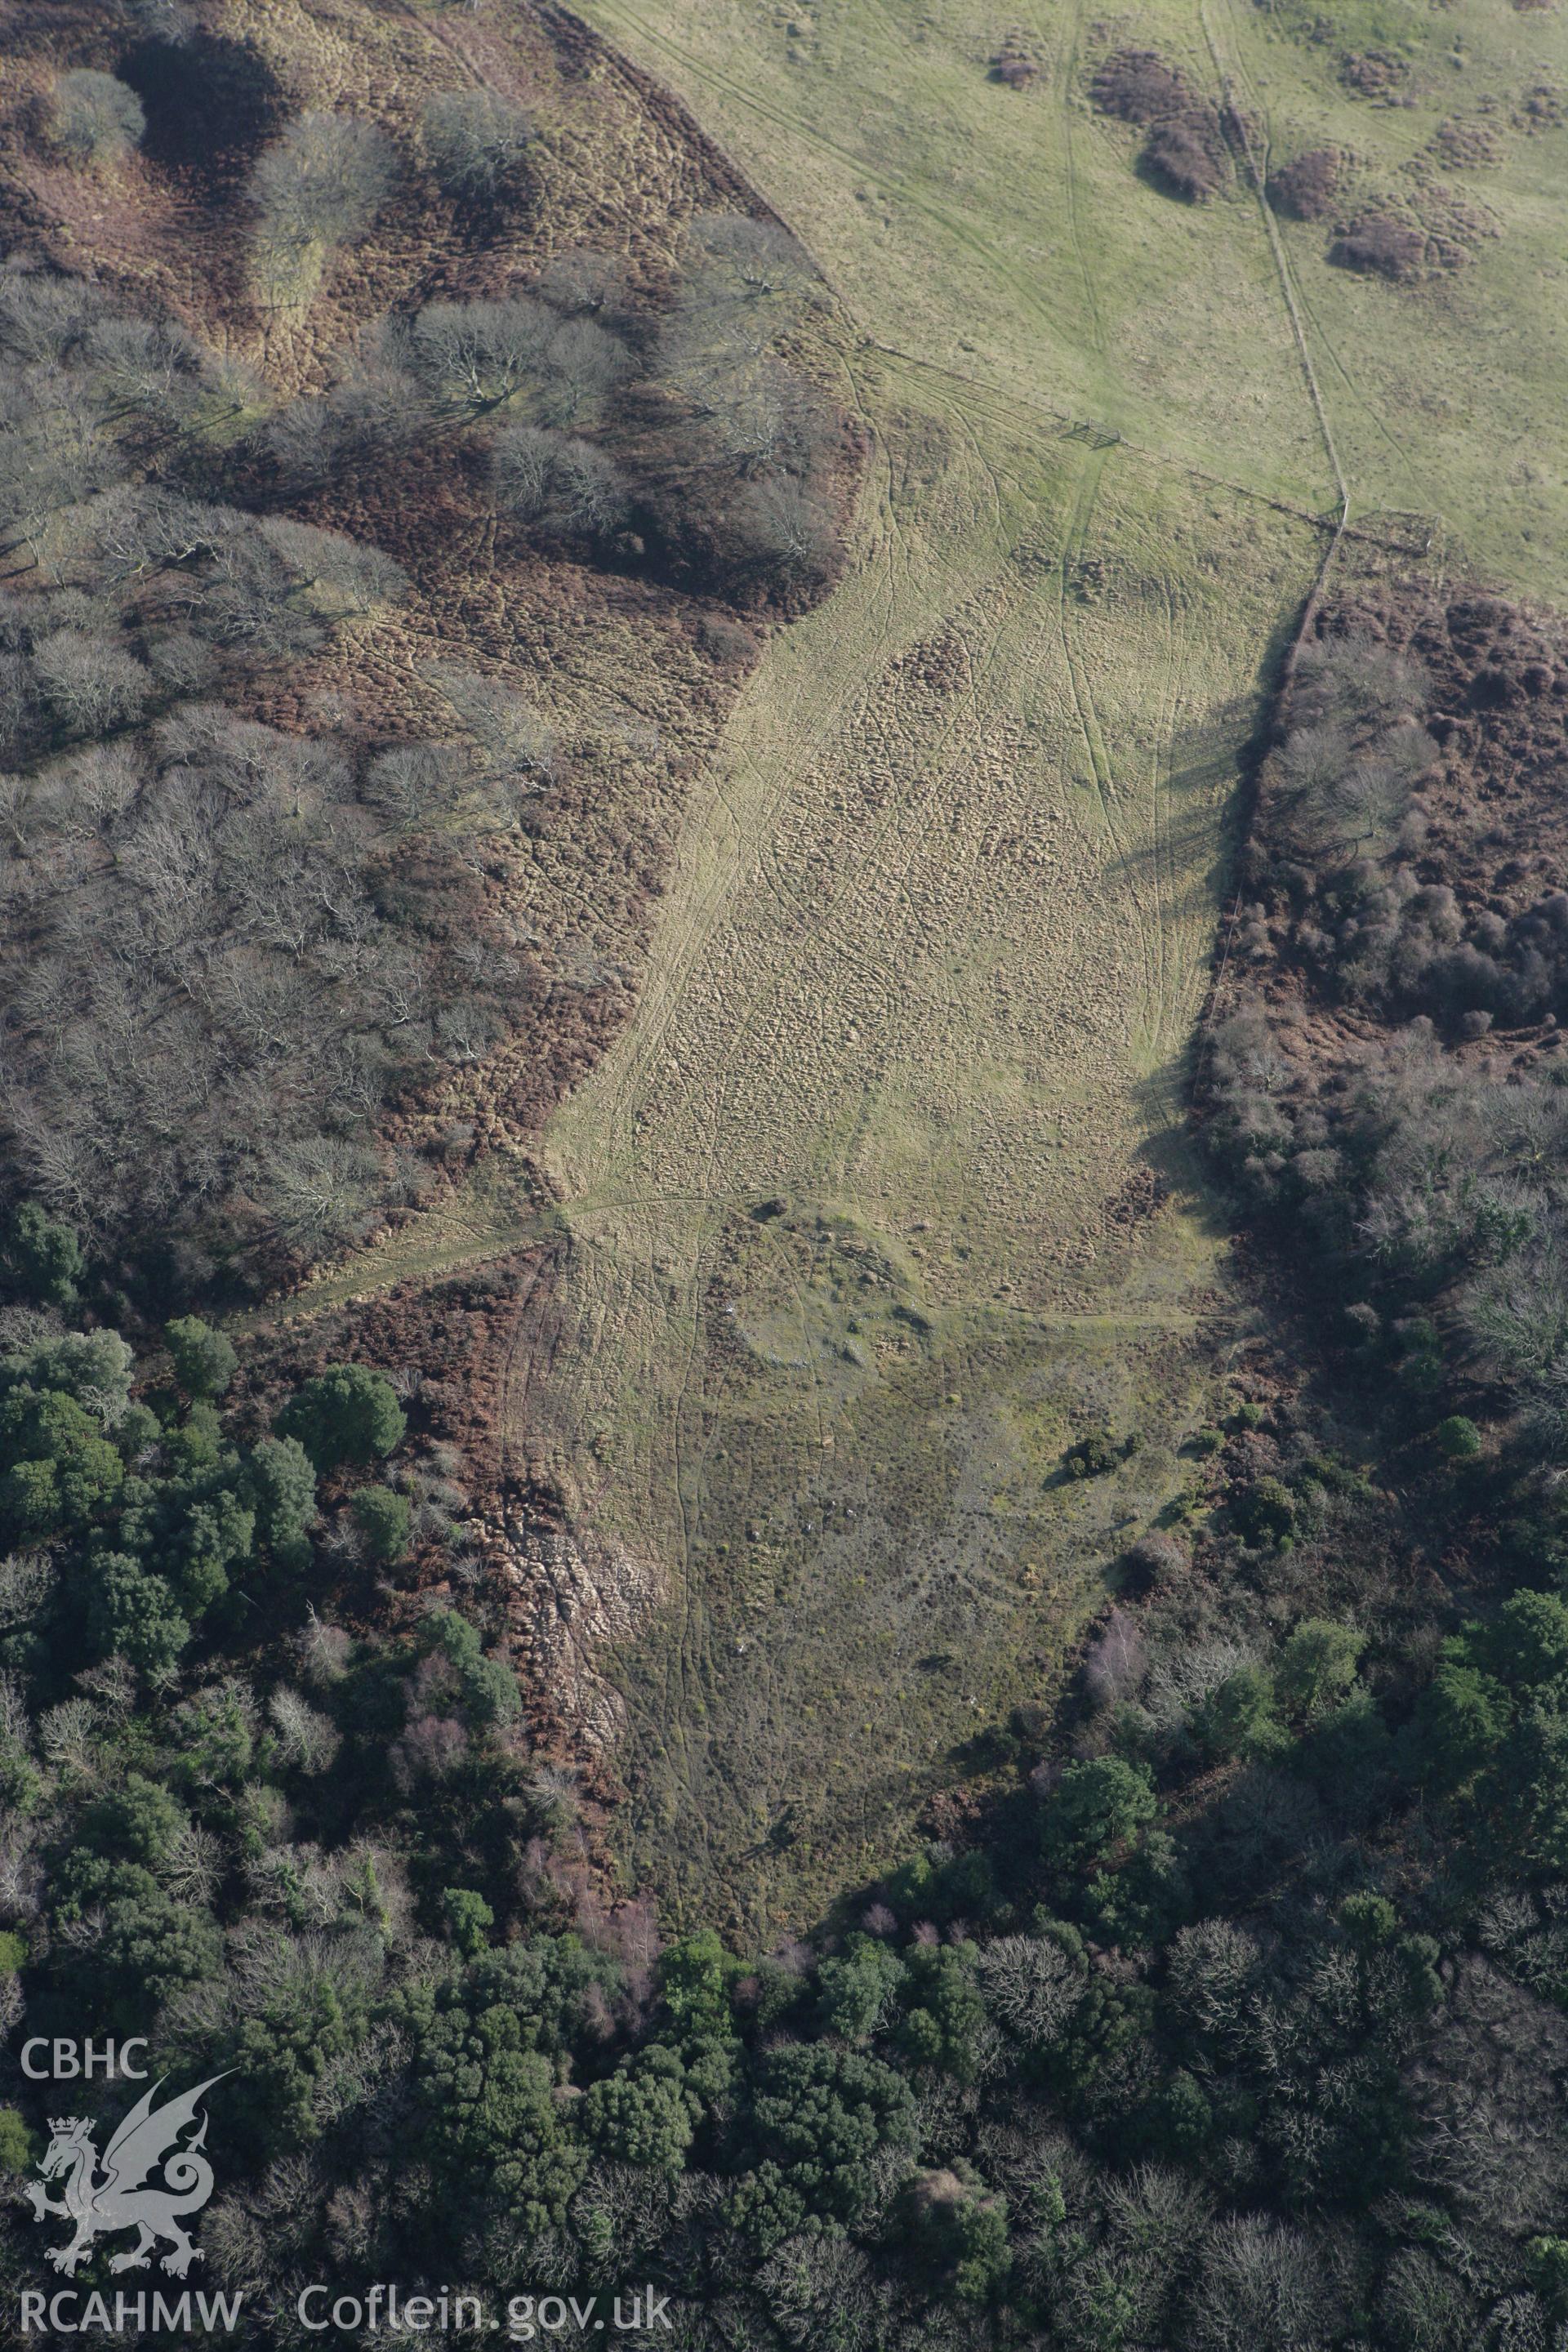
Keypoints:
pixel 320 184
pixel 414 783
pixel 104 781
pixel 786 529
pixel 752 261
pixel 1033 1986
pixel 347 576
pixel 1355 673
pixel 582 283
pixel 306 1740
pixel 476 139
pixel 522 465
pixel 92 118
pixel 42 319
pixel 1312 759
pixel 585 361
pixel 147 368
pixel 1116 1660
pixel 510 738
pixel 566 485
pixel 1214 1967
pixel 171 21
pixel 320 1190
pixel 472 358
pixel 1261 2284
pixel 89 683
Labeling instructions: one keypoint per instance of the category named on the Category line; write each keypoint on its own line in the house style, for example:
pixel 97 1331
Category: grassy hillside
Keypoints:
pixel 870 1202
pixel 944 914
pixel 882 1197
pixel 1003 232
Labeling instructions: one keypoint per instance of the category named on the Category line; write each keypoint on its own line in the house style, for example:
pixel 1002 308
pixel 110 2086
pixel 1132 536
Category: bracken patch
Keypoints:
pixel 1184 153
pixel 1306 188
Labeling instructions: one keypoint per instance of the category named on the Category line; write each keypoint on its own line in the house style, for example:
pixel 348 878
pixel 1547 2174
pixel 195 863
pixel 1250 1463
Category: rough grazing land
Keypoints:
pixel 866 1206
pixel 869 1206
pixel 881 1196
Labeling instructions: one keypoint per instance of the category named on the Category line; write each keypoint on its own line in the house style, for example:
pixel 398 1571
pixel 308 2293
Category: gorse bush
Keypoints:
pixel 1305 188
pixel 1185 152
pixel 1187 156
pixel 1380 245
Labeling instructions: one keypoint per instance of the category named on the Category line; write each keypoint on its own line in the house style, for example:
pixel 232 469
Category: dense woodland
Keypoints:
pixel 1237 2017
pixel 1237 2020
pixel 231 951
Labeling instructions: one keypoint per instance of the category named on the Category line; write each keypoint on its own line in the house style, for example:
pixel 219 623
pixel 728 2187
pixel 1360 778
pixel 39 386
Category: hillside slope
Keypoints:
pixel 944 915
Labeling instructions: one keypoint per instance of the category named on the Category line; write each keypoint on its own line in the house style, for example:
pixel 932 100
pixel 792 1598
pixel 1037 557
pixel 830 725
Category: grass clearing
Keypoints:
pixel 918 995
pixel 941 922
pixel 943 906
pixel 1006 234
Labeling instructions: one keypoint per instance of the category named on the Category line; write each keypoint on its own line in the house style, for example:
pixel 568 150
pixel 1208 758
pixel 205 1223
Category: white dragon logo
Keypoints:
pixel 101 2203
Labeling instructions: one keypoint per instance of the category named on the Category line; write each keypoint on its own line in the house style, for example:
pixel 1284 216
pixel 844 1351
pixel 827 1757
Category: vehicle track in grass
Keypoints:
pixel 920 971
pixel 1229 64
pixel 819 977
pixel 1067 90
pixel 924 948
